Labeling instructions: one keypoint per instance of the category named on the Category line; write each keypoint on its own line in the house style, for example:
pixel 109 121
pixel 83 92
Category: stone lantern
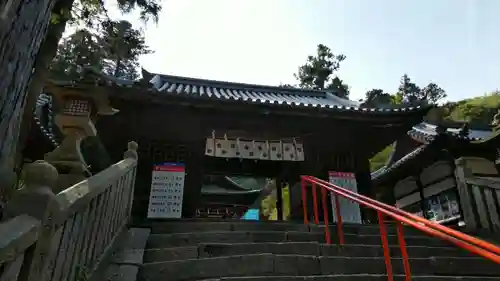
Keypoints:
pixel 76 109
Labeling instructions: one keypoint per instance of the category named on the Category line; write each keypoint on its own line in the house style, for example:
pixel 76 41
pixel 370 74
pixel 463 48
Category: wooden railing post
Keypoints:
pixel 37 200
pixel 465 196
pixel 131 153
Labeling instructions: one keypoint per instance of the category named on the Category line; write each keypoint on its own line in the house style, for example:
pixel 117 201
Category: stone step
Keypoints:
pixel 356 277
pixel 238 225
pixel 157 241
pixel 295 265
pixel 292 248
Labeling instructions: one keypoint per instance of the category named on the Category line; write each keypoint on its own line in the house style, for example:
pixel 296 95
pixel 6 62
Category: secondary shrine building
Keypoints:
pixel 422 176
pixel 232 129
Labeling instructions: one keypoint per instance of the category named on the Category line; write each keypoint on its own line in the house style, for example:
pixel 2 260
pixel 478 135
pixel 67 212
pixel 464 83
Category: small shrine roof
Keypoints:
pixel 427 134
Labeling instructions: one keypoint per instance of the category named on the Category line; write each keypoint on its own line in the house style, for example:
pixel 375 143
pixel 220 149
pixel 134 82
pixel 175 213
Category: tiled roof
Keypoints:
pixel 248 93
pixel 292 97
pixel 425 132
pixel 387 169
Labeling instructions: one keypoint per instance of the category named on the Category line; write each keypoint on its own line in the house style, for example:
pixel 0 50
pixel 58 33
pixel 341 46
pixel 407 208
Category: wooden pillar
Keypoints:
pixel 423 205
pixel 194 179
pixel 451 161
pixel 311 166
pixel 466 197
pixel 279 198
pixel 364 183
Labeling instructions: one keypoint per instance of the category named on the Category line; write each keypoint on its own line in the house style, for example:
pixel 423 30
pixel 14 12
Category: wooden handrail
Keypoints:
pixel 484 181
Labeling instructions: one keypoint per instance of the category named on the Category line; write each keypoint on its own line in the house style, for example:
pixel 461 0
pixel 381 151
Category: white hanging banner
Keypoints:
pixel 349 210
pixel 167 189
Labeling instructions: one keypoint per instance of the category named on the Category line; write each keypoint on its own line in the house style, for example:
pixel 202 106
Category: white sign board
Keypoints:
pixel 349 210
pixel 167 189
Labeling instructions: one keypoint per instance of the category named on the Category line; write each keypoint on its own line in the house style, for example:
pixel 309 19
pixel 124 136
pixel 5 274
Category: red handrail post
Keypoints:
pixel 385 246
pixel 340 230
pixel 315 202
pixel 304 198
pixel 464 241
pixel 404 252
pixel 455 234
pixel 325 217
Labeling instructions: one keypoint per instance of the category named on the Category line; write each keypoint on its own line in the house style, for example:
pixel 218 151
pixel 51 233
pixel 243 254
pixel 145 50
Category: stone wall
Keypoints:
pixel 23 26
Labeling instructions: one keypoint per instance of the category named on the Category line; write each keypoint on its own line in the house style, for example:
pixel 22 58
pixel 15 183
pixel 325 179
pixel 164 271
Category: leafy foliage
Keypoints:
pixel 478 111
pixel 377 97
pixel 379 160
pixel 116 43
pixel 289 86
pixel 123 45
pixel 90 13
pixel 80 49
pixel 408 93
pixel 115 51
pixel 413 94
pixel 318 72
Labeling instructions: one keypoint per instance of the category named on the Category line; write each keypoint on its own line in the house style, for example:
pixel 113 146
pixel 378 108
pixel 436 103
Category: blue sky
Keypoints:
pixel 454 43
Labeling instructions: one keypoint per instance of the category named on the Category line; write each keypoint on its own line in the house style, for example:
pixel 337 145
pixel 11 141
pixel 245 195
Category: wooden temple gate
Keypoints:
pixel 173 117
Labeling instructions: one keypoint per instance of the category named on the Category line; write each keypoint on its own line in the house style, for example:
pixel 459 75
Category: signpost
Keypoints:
pixel 349 210
pixel 167 189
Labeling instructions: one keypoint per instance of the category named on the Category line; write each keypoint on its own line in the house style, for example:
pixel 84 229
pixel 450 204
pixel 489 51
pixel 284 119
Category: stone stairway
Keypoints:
pixel 236 250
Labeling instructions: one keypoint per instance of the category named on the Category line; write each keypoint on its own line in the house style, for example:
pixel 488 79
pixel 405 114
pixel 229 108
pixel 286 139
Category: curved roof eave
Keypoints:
pixel 425 132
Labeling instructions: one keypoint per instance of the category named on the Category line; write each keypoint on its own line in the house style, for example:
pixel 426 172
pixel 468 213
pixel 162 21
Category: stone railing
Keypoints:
pixel 479 199
pixel 70 235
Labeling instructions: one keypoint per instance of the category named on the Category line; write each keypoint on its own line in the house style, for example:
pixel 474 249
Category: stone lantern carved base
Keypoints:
pixel 69 162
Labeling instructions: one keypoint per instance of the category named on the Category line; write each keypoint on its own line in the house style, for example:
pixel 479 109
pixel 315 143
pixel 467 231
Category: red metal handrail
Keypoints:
pixel 434 225
pixel 467 242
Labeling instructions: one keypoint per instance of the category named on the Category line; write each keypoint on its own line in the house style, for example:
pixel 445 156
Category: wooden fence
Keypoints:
pixel 479 199
pixel 65 236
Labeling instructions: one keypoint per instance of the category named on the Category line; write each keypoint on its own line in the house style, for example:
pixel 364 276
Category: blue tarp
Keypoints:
pixel 251 215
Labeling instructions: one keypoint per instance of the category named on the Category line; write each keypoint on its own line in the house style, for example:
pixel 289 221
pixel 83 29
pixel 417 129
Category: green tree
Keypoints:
pixel 79 13
pixel 377 97
pixel 115 51
pixel 319 71
pixel 410 93
pixel 123 45
pixel 338 86
pixel 80 49
pixel 432 93
pixel 289 86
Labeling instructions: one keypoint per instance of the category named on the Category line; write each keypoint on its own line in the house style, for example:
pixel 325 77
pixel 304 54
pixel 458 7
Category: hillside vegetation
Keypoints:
pixel 478 111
